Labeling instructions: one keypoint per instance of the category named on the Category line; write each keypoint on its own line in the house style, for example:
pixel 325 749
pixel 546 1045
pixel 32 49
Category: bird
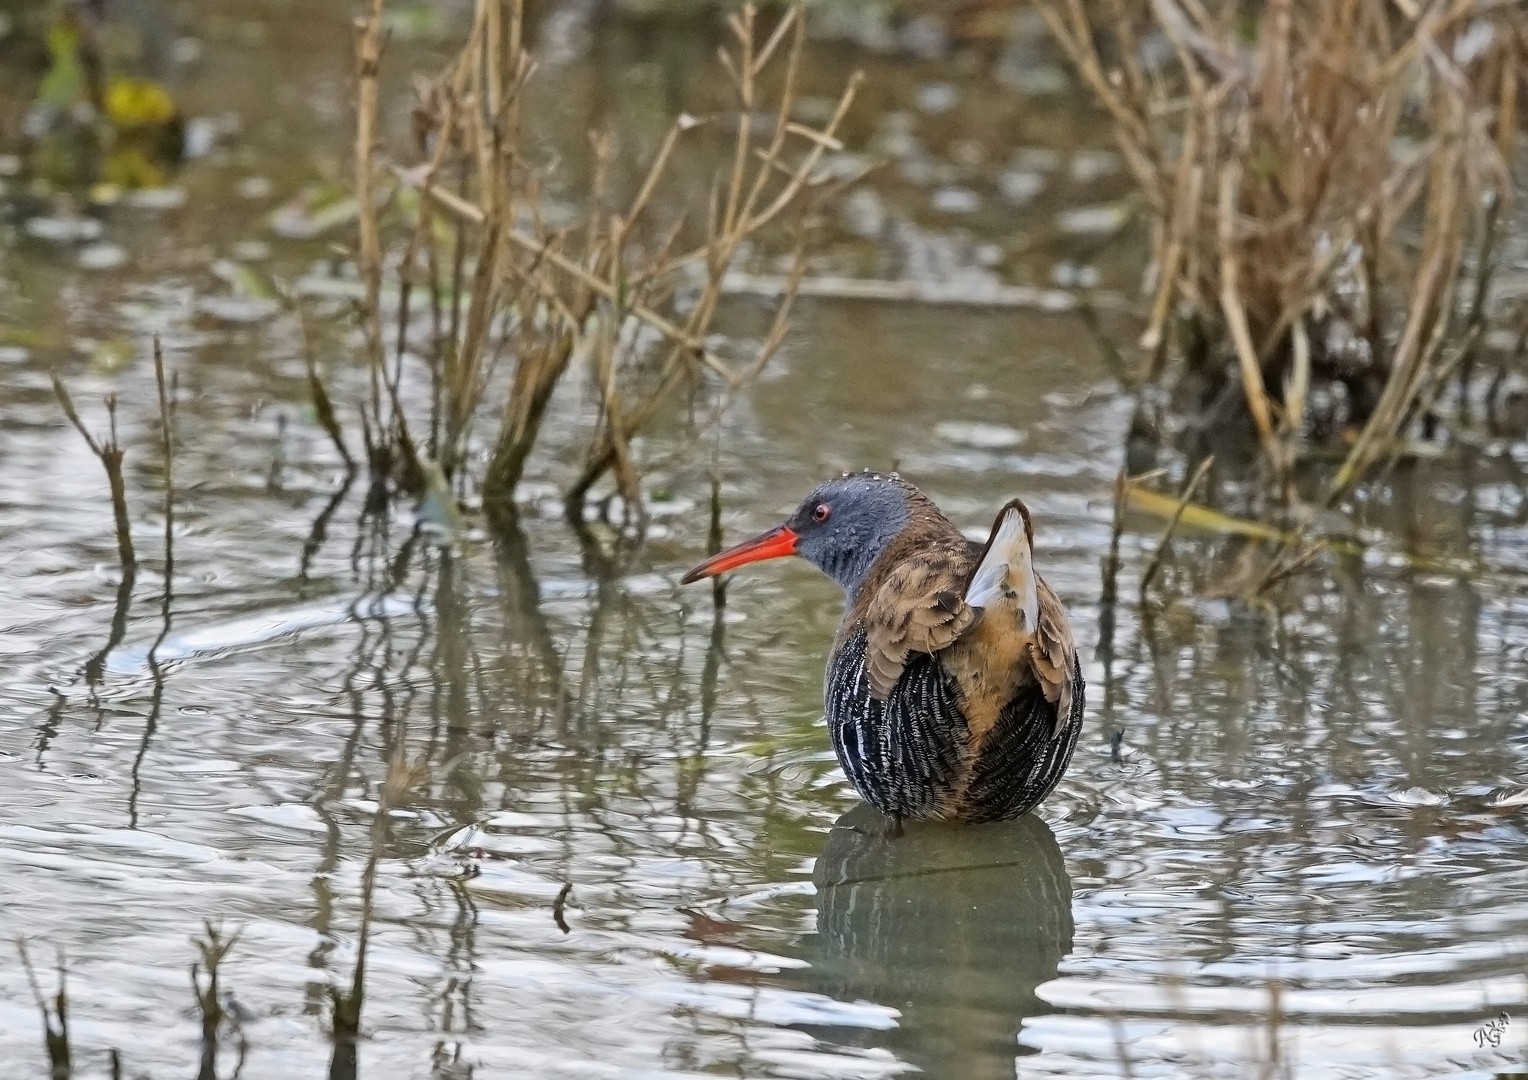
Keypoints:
pixel 953 689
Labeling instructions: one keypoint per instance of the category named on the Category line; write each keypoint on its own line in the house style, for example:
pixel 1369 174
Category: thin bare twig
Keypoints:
pixel 1172 525
pixel 110 454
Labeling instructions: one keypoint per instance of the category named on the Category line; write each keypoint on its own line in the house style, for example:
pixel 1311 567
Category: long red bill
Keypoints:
pixel 769 545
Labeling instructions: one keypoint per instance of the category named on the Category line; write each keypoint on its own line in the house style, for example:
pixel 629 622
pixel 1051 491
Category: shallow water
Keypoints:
pixel 1310 850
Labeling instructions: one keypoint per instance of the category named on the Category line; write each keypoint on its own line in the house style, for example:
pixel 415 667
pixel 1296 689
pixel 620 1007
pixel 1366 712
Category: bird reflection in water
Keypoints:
pixel 954 926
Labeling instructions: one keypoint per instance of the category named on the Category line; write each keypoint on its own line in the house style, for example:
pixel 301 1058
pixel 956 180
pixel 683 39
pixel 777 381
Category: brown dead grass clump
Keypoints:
pixel 1326 179
pixel 515 302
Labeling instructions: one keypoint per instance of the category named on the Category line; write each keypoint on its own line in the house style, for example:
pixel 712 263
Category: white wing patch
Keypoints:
pixel 1007 573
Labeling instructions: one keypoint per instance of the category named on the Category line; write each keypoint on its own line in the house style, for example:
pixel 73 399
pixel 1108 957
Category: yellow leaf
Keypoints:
pixel 137 103
pixel 1202 517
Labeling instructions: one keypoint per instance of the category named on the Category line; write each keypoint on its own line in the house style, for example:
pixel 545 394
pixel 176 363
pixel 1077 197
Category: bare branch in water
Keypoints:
pixel 559 906
pixel 110 454
pixel 55 1015
pixel 1172 526
pixel 167 445
pixel 211 1002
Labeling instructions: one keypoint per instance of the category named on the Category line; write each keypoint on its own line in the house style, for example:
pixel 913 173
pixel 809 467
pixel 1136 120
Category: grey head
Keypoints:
pixel 842 527
pixel 845 524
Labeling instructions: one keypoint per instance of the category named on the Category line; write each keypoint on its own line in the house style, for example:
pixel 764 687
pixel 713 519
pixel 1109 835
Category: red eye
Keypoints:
pixel 820 513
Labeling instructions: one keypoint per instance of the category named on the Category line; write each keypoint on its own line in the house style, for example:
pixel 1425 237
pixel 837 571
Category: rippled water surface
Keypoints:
pixel 1291 839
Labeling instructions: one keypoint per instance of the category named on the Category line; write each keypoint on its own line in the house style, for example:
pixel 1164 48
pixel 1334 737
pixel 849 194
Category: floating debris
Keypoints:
pixel 64 230
pixel 309 215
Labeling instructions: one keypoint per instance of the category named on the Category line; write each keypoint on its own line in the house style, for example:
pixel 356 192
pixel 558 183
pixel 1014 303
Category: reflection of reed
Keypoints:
pixel 955 926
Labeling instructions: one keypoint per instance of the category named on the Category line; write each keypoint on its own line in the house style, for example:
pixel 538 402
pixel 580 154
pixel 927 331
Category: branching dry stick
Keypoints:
pixel 110 454
pixel 719 253
pixel 206 978
pixel 544 289
pixel 1172 525
pixel 542 250
pixel 1133 133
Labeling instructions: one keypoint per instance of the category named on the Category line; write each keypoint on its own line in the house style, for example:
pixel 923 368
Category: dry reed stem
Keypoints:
pixel 323 405
pixel 167 447
pixel 1236 315
pixel 714 541
pixel 368 62
pixel 1109 593
pixel 1430 295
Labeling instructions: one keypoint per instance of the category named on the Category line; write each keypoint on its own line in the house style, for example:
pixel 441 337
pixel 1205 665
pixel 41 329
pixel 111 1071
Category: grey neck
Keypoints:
pixel 849 562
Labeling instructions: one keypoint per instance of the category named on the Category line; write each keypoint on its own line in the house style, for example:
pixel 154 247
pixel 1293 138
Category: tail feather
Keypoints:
pixel 1006 572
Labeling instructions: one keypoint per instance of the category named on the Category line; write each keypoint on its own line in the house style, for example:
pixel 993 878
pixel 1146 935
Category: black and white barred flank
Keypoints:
pixel 907 754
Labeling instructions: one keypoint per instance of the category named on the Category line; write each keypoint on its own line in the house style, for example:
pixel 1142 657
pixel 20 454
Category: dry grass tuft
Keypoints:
pixel 627 293
pixel 1326 179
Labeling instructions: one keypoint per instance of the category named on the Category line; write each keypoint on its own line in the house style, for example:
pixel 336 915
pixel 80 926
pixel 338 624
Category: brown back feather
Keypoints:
pixel 1052 654
pixel 912 599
